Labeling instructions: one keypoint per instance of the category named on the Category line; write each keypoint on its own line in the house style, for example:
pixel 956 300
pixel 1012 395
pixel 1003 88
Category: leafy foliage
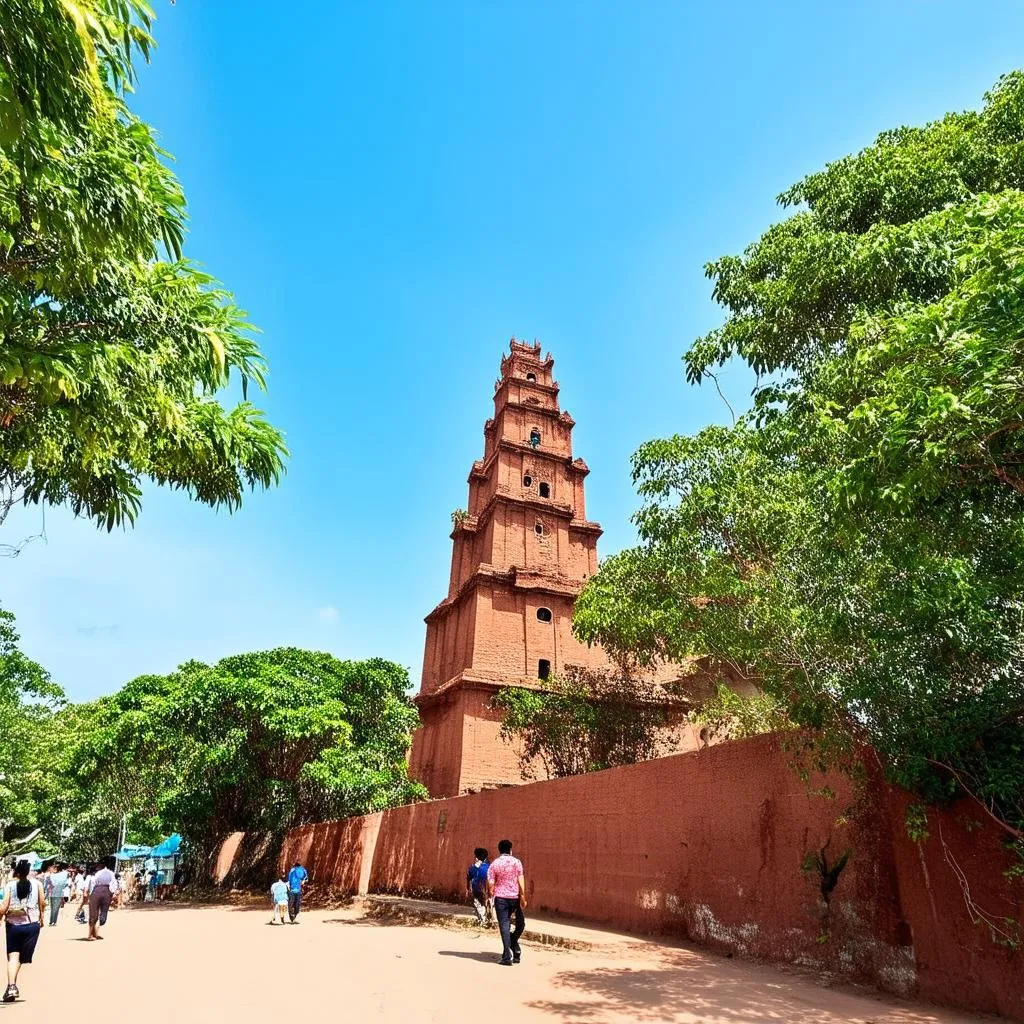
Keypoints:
pixel 856 541
pixel 28 699
pixel 584 721
pixel 258 741
pixel 727 715
pixel 112 346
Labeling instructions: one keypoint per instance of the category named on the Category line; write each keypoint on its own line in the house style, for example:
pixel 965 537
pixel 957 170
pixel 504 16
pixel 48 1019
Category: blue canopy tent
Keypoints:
pixel 163 860
pixel 35 862
pixel 133 852
pixel 168 848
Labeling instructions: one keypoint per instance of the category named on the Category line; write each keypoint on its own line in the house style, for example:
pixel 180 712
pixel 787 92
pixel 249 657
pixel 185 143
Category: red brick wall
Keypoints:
pixel 459 747
pixel 437 744
pixel 712 846
pixel 495 629
pixel 957 960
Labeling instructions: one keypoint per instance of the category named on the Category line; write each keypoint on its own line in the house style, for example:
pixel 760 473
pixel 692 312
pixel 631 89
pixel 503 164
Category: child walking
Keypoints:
pixel 476 886
pixel 279 899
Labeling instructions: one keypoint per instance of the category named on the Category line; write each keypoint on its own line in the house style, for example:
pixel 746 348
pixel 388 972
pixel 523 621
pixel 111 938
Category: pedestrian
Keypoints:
pixel 102 889
pixel 476 886
pixel 82 893
pixel 22 908
pixel 54 884
pixel 506 885
pixel 124 887
pixel 296 880
pixel 279 899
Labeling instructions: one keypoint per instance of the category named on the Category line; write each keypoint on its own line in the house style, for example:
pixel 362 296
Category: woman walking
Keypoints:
pixel 22 907
pixel 82 883
pixel 101 892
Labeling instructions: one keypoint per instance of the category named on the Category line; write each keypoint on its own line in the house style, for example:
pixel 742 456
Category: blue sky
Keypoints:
pixel 392 190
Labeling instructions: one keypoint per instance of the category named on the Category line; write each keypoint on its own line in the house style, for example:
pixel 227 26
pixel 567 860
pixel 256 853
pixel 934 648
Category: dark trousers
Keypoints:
pixel 55 904
pixel 505 909
pixel 294 905
pixel 99 904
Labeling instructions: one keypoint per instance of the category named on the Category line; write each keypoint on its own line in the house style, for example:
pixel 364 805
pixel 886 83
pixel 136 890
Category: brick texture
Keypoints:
pixel 523 550
pixel 718 846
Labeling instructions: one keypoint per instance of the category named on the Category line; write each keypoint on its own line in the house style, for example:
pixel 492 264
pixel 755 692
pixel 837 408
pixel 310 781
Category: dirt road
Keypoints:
pixel 211 965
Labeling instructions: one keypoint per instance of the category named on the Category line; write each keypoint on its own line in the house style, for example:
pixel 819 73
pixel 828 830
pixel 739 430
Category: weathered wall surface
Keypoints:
pixel 717 846
pixel 436 754
pixel 247 860
pixel 954 890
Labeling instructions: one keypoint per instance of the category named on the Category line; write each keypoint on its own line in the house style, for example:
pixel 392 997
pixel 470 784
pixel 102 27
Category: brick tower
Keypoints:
pixel 520 555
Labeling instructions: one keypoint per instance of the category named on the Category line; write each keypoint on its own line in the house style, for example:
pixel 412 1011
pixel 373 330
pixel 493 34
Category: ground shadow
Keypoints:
pixel 380 922
pixel 264 907
pixel 245 903
pixel 715 991
pixel 485 958
pixel 158 905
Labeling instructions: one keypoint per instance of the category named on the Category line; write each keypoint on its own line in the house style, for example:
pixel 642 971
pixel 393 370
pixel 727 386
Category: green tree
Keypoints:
pixel 728 716
pixel 259 741
pixel 81 814
pixel 28 700
pixel 856 541
pixel 112 346
pixel 584 721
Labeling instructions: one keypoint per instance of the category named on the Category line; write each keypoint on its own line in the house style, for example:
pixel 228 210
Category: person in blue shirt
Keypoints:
pixel 279 899
pixel 476 886
pixel 296 880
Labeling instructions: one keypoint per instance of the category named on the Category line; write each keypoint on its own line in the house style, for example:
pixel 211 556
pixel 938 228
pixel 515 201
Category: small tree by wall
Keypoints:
pixel 728 715
pixel 585 721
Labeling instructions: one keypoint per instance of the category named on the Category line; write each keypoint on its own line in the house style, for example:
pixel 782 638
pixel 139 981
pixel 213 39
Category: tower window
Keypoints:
pixel 539 528
pixel 535 437
pixel 527 480
pixel 531 376
pixel 544 614
pixel 543 669
pixel 545 490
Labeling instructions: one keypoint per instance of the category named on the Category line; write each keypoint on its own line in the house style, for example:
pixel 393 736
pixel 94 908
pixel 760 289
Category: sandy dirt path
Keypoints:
pixel 208 965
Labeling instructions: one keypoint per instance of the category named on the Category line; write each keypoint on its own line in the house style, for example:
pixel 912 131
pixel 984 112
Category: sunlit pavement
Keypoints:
pixel 223 964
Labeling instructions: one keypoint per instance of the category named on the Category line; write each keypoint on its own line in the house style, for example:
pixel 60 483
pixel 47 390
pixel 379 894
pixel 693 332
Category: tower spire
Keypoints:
pixel 520 555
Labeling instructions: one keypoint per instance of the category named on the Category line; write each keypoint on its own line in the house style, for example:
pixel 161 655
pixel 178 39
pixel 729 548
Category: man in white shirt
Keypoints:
pixel 53 886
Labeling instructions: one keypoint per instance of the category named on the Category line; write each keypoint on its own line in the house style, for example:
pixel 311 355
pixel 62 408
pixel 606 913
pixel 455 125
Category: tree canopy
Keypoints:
pixel 856 540
pixel 28 698
pixel 259 741
pixel 113 347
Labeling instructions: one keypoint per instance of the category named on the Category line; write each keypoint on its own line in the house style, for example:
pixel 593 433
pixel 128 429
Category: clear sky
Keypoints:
pixel 394 189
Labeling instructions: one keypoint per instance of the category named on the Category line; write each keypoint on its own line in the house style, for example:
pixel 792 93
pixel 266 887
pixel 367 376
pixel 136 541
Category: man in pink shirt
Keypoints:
pixel 507 887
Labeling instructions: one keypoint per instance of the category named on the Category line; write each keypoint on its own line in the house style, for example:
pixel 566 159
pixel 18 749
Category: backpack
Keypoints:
pixel 23 911
pixel 478 877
